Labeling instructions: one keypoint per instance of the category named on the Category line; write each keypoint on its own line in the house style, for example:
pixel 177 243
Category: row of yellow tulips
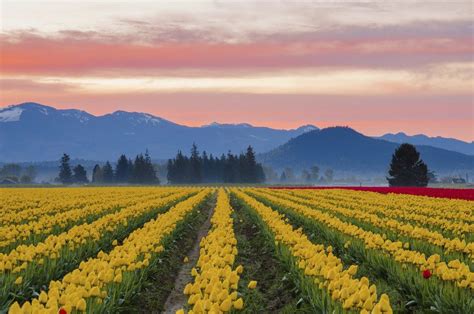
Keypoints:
pixel 319 263
pixel 394 207
pixel 41 262
pixel 22 205
pixel 412 231
pixel 453 210
pixel 99 282
pixel 214 288
pixel 36 229
pixel 449 271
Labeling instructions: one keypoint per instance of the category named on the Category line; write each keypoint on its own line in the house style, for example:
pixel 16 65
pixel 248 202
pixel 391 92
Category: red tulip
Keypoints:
pixel 426 273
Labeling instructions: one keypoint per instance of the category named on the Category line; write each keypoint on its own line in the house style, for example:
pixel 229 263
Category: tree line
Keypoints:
pixel 204 168
pixel 406 169
pixel 137 171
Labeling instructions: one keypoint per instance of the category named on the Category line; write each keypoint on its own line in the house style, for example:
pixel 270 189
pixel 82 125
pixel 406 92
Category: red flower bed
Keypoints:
pixel 465 194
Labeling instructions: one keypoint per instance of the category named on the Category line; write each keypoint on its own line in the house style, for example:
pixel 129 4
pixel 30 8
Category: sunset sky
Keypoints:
pixel 402 66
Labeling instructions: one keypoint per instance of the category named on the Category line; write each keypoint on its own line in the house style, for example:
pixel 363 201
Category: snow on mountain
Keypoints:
pixel 10 114
pixel 44 133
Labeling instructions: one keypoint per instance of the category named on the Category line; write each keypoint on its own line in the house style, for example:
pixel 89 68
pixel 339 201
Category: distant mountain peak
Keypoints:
pixel 35 106
pixel 342 130
pixel 138 117
pixel 435 141
pixel 217 125
pixel 307 128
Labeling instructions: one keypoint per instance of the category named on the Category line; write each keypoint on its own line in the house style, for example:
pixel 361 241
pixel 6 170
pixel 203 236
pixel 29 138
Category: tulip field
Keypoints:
pixel 234 249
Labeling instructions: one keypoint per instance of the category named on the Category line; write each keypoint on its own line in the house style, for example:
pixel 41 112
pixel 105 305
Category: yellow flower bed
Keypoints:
pixel 449 271
pixel 452 215
pixel 17 261
pixel 319 263
pixel 214 288
pixel 23 205
pixel 415 232
pixel 84 288
pixel 44 224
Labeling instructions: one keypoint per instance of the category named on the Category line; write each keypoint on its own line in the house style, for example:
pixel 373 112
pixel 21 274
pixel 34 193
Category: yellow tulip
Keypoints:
pixel 239 304
pixel 252 284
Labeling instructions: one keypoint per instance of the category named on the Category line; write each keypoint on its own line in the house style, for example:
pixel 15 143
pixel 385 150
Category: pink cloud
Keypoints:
pixel 75 54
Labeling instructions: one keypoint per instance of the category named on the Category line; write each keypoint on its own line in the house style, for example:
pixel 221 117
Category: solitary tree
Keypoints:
pixel 80 174
pixel 406 168
pixel 65 173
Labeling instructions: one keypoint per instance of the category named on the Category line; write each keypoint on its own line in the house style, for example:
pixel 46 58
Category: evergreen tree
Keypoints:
pixel 97 176
pixel 107 173
pixel 205 167
pixel 149 171
pixel 406 167
pixel 65 173
pixel 230 168
pixel 143 170
pixel 80 174
pixel 122 170
pixel 138 169
pixel 251 166
pixel 195 175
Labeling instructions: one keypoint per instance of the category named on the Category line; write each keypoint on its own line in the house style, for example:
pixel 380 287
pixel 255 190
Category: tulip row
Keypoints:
pixel 413 232
pixel 454 270
pixel 341 286
pixel 35 231
pixel 23 205
pixel 215 281
pixel 40 263
pixel 99 284
pixel 417 212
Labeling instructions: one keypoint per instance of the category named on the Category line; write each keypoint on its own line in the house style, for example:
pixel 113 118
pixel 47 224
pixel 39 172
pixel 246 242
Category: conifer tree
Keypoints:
pixel 195 165
pixel 80 174
pixel 122 170
pixel 107 173
pixel 406 168
pixel 65 173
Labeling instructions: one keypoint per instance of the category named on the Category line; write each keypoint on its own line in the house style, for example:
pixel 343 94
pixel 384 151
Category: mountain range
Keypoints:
pixel 438 141
pixel 345 149
pixel 34 132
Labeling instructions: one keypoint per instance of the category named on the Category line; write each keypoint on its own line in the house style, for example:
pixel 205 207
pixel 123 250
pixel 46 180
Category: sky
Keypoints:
pixel 377 66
